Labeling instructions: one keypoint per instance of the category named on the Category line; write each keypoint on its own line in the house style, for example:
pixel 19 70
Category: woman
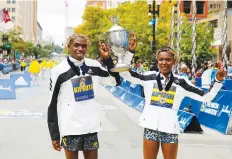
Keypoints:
pixel 164 92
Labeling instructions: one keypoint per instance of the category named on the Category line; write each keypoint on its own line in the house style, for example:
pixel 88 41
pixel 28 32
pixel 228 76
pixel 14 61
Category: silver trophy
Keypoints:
pixel 117 38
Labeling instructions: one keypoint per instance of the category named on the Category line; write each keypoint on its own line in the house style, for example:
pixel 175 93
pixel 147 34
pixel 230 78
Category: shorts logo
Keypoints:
pixel 95 144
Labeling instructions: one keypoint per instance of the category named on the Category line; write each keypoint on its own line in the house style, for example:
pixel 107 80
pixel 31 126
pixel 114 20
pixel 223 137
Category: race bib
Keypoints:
pixel 83 88
pixel 163 98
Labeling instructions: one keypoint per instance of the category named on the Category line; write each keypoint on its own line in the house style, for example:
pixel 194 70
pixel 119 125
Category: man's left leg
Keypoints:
pixel 90 146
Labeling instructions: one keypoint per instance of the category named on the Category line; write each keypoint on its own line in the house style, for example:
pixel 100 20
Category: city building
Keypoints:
pixel 68 32
pixel 201 6
pixel 23 14
pixel 48 40
pixel 39 34
pixel 212 11
pixel 216 18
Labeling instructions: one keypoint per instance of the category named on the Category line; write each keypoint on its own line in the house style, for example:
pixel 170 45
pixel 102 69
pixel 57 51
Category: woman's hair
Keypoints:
pixel 166 49
pixel 74 36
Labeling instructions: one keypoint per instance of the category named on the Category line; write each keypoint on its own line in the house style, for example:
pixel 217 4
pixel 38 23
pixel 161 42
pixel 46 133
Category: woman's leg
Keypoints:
pixel 151 143
pixel 169 150
pixel 169 144
pixel 150 149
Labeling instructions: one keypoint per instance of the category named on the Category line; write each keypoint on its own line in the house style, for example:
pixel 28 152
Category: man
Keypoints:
pixel 23 65
pixel 74 84
pixel 164 92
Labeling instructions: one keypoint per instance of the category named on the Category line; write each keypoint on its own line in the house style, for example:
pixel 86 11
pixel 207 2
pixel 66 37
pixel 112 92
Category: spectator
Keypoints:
pixel 34 69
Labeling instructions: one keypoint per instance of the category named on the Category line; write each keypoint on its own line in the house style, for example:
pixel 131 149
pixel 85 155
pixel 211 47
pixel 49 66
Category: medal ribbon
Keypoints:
pixel 76 69
pixel 168 86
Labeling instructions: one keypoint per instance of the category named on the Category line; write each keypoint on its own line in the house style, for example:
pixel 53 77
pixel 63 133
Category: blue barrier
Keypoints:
pixel 216 114
pixel 184 119
pixel 2 66
pixel 7 89
pixel 125 84
pixel 21 80
pixel 198 82
pixel 28 74
pixel 227 85
pixel 9 68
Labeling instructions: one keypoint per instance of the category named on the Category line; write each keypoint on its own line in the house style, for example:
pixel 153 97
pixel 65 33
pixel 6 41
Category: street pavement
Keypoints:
pixel 28 138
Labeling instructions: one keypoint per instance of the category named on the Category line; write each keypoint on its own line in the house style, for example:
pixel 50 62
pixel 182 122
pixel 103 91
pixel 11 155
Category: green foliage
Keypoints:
pixel 164 24
pixel 134 17
pixel 50 48
pixel 25 47
pixel 14 35
pixel 28 48
pixel 204 39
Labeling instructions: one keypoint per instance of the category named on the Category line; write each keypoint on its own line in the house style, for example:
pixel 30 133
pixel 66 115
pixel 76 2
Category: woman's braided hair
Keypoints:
pixel 74 36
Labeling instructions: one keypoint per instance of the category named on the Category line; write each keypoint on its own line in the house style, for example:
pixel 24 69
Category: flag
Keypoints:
pixel 6 16
pixel 2 15
pixel 66 3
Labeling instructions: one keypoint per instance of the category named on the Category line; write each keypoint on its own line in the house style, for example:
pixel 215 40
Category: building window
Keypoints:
pixel 8 1
pixel 211 5
pixel 200 7
pixel 8 9
pixel 219 6
pixel 187 7
pixel 214 5
pixel 229 4
pixel 13 18
pixel 13 10
pixel 13 1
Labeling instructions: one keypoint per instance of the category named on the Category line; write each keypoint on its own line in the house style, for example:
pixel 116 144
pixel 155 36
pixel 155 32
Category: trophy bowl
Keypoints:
pixel 117 38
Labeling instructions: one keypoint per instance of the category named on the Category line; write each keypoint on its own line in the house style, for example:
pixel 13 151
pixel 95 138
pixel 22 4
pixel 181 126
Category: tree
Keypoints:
pixel 131 17
pixel 15 35
pixel 50 48
pixel 95 23
pixel 164 24
pixel 204 38
pixel 134 16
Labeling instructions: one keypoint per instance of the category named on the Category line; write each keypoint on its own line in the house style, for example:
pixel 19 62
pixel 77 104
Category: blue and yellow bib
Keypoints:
pixel 163 98
pixel 83 88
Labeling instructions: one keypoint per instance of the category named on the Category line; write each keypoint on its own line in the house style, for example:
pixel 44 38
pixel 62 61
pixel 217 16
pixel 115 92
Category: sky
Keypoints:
pixel 52 17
